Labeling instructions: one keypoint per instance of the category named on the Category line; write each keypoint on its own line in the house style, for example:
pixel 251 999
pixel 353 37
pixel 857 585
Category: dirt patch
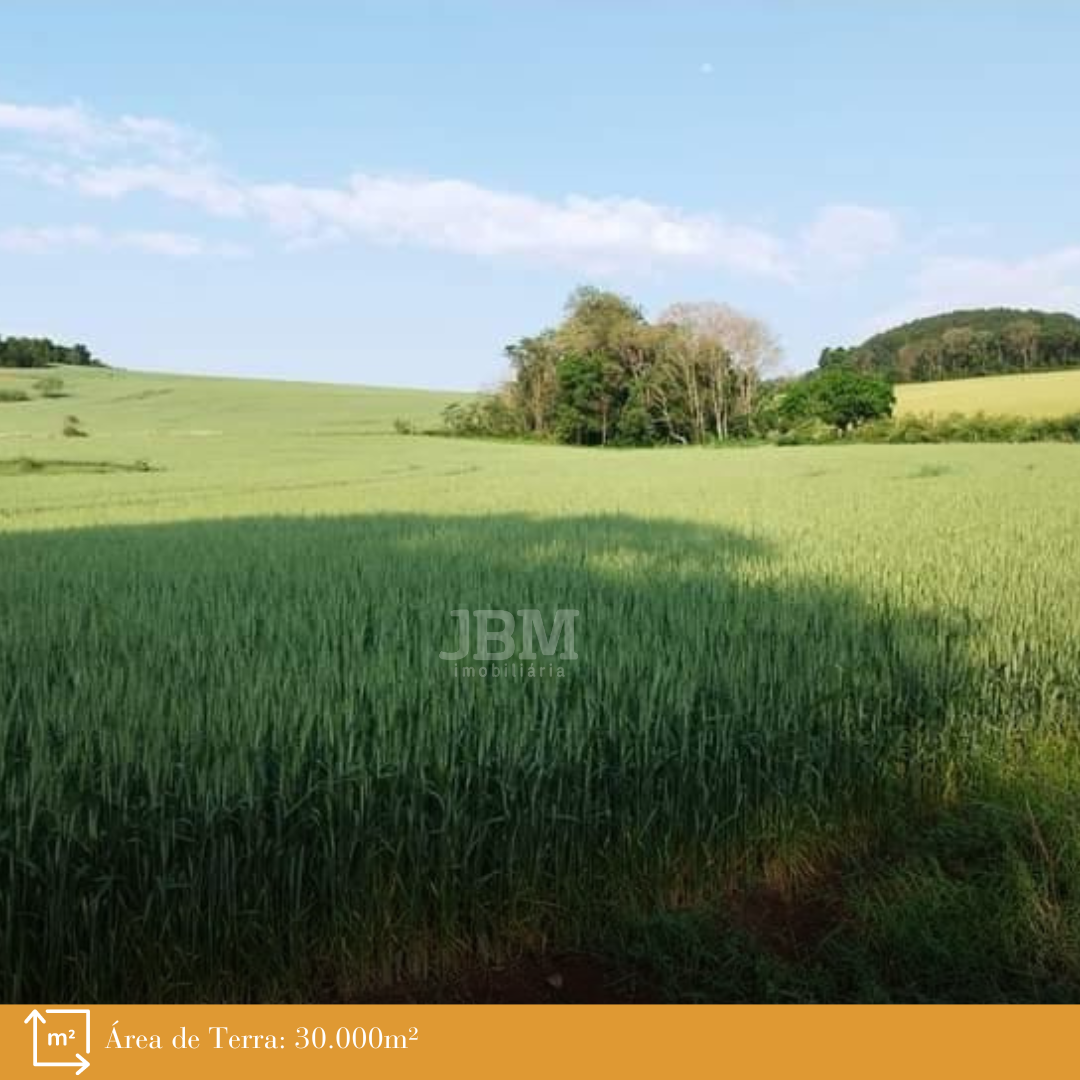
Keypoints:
pixel 792 925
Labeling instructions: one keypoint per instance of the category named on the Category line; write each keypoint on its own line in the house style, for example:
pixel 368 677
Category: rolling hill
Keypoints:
pixel 115 402
pixel 959 344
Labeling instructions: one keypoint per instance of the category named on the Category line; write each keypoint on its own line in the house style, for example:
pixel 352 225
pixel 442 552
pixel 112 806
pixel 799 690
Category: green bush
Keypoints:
pixel 52 386
pixel 913 429
pixel 808 433
pixel 955 428
pixel 12 395
pixel 485 416
pixel 1069 427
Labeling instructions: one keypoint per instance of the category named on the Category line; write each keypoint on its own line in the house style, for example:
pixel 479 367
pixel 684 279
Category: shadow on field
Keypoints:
pixel 234 766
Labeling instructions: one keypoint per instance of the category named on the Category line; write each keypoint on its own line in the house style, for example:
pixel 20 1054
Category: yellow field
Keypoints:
pixel 1050 393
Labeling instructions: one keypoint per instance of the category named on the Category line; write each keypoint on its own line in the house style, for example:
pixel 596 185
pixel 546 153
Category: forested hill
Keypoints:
pixel 991 341
pixel 26 352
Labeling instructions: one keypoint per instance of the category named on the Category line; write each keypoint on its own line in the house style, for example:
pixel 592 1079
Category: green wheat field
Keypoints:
pixel 836 685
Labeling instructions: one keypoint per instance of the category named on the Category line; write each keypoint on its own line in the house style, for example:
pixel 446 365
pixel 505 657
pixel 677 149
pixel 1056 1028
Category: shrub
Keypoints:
pixel 487 415
pixel 914 429
pixel 52 386
pixel 809 433
pixel 404 427
pixel 12 395
pixel 73 428
pixel 955 428
pixel 1069 427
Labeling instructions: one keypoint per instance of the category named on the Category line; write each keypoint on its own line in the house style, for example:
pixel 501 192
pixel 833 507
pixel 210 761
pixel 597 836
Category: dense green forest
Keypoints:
pixel 993 341
pixel 26 352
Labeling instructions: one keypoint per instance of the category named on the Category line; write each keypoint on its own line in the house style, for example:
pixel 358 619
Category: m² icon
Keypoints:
pixel 73 1034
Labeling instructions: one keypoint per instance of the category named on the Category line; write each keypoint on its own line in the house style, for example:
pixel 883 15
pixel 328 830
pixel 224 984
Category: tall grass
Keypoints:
pixel 233 763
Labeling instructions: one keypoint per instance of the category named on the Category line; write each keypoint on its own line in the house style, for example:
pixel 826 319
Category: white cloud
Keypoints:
pixel 849 236
pixel 200 186
pixel 75 130
pixel 1050 281
pixel 457 215
pixel 178 245
pixel 50 238
pixel 114 159
pixel 68 124
pixel 162 138
pixel 47 239
pixel 52 173
pixel 454 215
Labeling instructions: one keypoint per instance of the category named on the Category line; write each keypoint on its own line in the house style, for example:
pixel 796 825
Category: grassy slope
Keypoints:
pixel 1052 393
pixel 218 445
pixel 977 899
pixel 178 407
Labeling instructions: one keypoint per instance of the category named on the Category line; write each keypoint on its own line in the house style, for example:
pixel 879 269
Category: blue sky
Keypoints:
pixel 389 193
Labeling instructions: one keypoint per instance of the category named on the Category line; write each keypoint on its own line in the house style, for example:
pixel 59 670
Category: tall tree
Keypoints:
pixel 730 351
pixel 534 385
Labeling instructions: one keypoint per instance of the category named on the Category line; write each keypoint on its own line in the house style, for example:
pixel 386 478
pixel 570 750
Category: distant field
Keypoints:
pixel 154 406
pixel 1051 393
pixel 818 740
pixel 216 446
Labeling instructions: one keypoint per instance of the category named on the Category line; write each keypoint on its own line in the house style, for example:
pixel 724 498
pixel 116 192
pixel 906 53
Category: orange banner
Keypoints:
pixel 205 1042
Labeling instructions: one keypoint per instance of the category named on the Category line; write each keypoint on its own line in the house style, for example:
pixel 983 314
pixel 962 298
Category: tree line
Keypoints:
pixel 701 372
pixel 29 352
pixel 962 344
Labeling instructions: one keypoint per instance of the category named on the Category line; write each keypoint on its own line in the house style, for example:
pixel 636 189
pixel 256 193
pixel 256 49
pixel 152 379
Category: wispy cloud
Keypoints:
pixel 178 245
pixel 849 236
pixel 1050 281
pixel 201 186
pixel 66 124
pixel 49 238
pixel 115 159
pixel 456 215
pixel 75 130
pixel 43 240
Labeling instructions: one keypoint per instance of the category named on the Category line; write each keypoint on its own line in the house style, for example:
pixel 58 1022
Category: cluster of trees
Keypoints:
pixel 962 344
pixel 606 375
pixel 25 352
pixel 700 373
